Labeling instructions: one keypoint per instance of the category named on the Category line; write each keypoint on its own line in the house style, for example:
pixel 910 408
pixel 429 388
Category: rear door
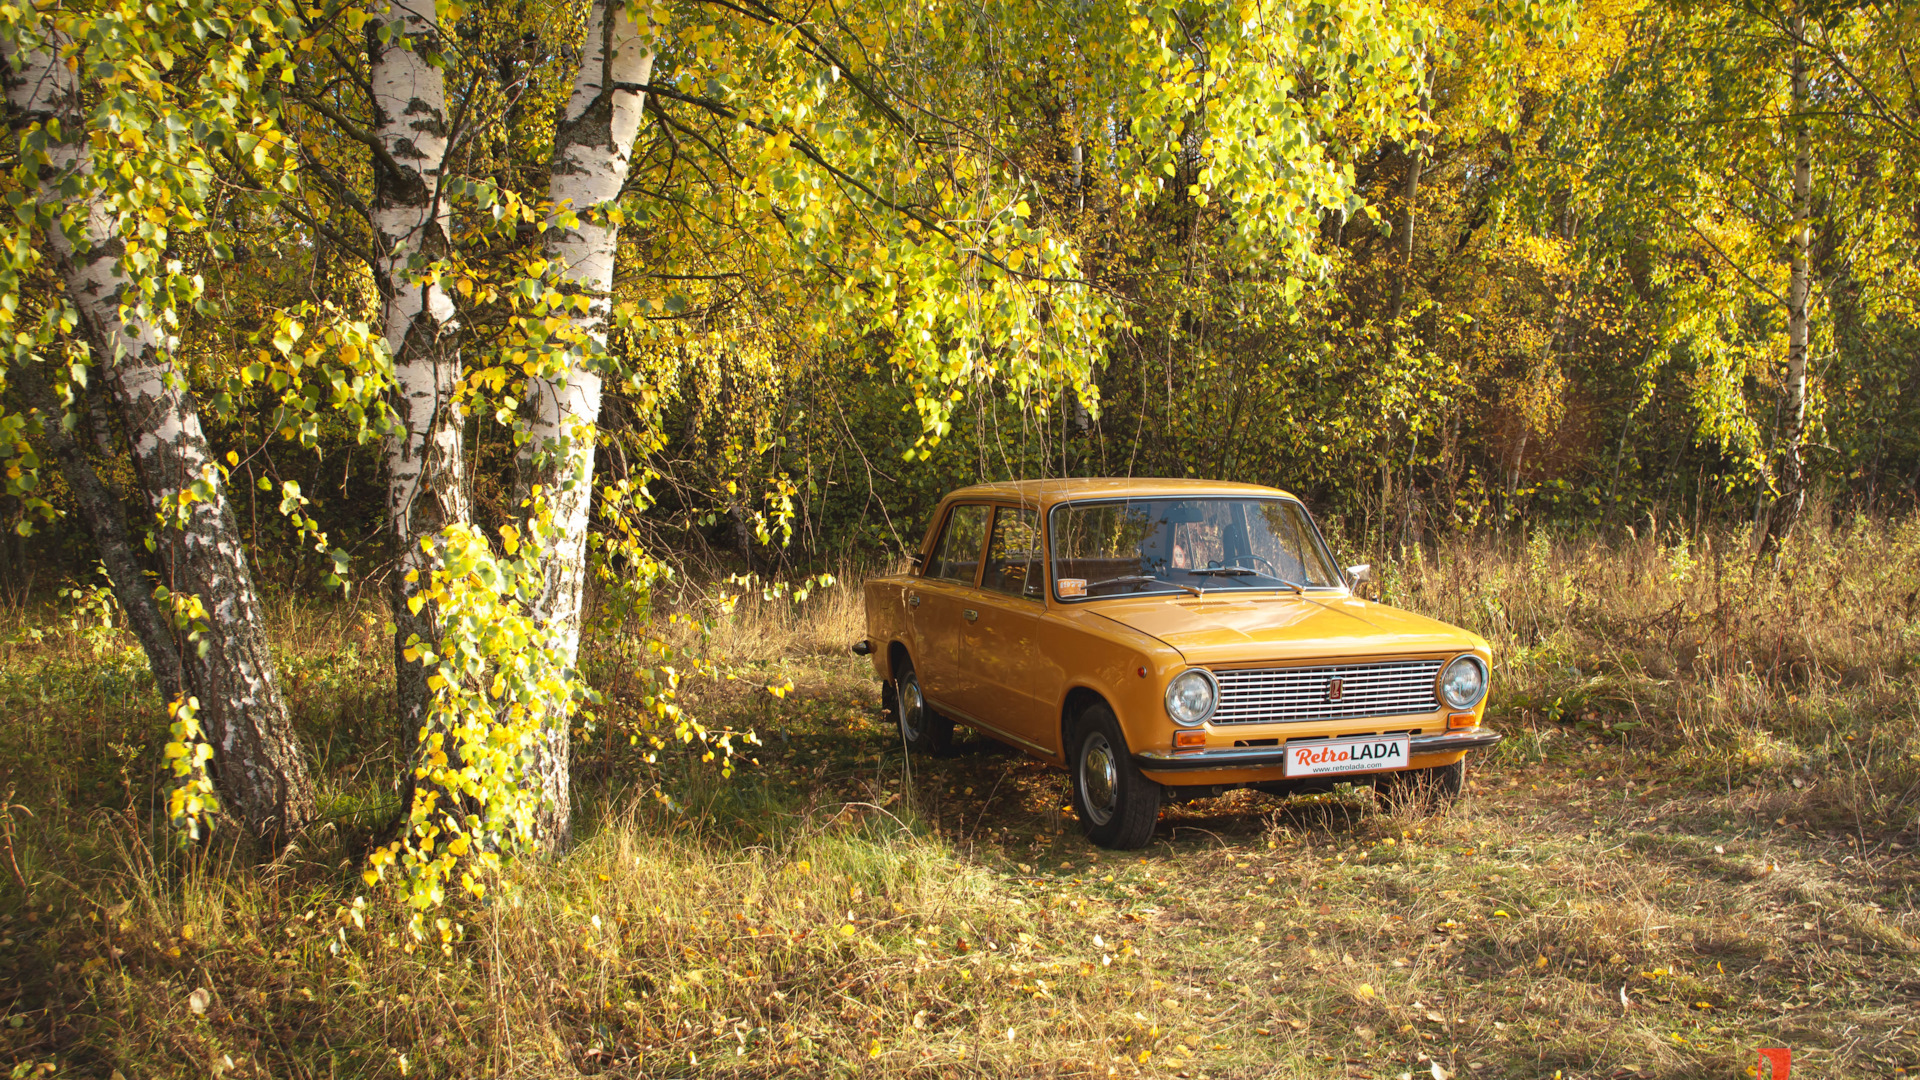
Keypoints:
pixel 1006 681
pixel 935 601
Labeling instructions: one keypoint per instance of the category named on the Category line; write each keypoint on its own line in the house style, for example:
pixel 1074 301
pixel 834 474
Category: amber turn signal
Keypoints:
pixel 1456 721
pixel 1189 740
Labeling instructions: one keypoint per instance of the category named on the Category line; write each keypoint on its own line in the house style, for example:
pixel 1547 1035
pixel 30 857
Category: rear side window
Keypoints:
pixel 1013 558
pixel 957 556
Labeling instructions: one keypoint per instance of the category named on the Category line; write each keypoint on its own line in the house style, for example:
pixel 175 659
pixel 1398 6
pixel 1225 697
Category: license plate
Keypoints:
pixel 1368 754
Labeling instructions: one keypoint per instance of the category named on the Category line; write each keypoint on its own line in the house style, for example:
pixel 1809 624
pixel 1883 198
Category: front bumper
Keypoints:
pixel 1254 757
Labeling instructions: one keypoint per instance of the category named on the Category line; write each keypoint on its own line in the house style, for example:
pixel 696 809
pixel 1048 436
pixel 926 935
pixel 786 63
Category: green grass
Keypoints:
pixel 1687 850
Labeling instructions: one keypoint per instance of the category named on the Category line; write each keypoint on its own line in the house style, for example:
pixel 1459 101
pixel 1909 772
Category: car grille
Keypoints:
pixel 1290 695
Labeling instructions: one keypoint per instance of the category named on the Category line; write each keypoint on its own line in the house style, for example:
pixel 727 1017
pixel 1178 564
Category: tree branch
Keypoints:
pixel 818 157
pixel 353 131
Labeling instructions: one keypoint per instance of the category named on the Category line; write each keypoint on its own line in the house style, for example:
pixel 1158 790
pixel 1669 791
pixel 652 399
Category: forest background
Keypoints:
pixel 541 342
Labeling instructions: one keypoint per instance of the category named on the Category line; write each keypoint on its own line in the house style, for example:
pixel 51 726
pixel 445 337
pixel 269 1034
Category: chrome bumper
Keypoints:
pixel 1253 757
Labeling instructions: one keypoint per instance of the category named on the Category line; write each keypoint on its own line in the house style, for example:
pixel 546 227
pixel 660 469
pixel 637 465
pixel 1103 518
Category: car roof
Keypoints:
pixel 1048 492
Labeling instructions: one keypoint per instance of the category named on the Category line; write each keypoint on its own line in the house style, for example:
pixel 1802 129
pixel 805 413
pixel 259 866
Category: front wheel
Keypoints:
pixel 1117 805
pixel 922 730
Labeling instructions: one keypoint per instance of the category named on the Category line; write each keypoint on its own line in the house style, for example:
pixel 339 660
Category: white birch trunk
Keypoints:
pixel 592 147
pixel 411 219
pixel 257 762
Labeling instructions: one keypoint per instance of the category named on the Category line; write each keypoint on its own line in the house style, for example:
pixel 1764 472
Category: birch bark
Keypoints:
pixel 106 523
pixel 261 775
pixel 426 482
pixel 592 148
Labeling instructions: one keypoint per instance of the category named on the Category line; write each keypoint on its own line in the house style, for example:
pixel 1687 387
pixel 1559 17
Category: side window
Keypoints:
pixel 957 556
pixel 1013 556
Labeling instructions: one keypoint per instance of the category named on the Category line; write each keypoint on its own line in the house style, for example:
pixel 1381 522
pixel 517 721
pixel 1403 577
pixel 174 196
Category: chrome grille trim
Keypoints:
pixel 1292 695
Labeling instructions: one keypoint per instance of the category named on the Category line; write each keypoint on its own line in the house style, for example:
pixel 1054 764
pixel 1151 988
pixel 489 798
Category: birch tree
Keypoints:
pixel 411 220
pixel 592 147
pixel 106 258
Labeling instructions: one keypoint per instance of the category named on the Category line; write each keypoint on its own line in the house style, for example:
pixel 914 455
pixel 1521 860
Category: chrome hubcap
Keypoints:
pixel 1099 778
pixel 911 708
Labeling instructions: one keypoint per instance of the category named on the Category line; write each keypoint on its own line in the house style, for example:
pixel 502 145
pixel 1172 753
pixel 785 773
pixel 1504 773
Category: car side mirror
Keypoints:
pixel 1360 574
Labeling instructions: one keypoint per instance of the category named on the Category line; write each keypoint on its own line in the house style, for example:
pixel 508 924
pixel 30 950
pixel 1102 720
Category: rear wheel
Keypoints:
pixel 1423 789
pixel 922 730
pixel 1117 805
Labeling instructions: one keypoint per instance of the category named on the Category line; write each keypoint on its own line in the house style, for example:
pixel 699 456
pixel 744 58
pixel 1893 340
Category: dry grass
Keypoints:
pixel 1700 841
pixel 1798 668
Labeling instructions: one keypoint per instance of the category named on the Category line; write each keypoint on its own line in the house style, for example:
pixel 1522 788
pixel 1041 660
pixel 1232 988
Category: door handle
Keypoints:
pixel 913 600
pixel 969 615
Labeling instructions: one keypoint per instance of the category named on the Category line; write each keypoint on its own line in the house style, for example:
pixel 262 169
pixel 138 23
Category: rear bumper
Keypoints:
pixel 1254 757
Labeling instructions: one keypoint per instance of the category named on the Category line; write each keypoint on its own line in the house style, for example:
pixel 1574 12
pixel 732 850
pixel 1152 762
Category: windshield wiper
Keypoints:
pixel 1242 571
pixel 1142 579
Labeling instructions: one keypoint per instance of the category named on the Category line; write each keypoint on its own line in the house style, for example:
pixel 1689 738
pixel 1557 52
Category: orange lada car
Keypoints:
pixel 1161 636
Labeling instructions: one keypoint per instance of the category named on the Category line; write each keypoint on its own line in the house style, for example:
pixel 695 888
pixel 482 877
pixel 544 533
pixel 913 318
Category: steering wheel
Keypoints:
pixel 1272 570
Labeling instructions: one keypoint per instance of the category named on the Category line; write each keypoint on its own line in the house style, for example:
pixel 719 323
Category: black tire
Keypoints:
pixel 922 730
pixel 1422 790
pixel 1118 807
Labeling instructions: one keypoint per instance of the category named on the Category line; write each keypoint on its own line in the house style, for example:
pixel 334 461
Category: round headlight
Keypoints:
pixel 1463 683
pixel 1190 696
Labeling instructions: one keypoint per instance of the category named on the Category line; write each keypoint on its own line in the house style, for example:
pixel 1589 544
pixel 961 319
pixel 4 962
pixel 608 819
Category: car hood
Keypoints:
pixel 1285 627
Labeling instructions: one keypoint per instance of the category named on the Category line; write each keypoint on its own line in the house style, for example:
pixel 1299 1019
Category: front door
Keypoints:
pixel 1004 681
pixel 935 601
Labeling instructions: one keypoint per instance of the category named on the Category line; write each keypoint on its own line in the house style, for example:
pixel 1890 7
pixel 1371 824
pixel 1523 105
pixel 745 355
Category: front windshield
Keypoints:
pixel 1139 546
